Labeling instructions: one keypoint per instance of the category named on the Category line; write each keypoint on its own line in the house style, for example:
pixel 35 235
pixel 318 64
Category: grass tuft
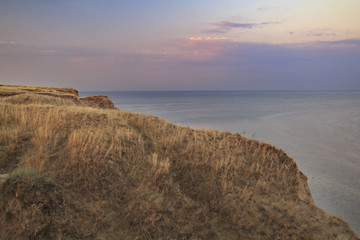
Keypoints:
pixel 29 174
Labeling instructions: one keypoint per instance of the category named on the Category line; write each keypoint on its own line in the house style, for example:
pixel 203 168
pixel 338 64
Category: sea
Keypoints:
pixel 319 129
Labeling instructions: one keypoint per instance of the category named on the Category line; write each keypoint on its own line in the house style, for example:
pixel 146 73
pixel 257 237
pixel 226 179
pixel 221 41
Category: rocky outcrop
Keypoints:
pixel 98 101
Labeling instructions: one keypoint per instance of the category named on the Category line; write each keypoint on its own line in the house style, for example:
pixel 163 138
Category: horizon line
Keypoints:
pixel 290 90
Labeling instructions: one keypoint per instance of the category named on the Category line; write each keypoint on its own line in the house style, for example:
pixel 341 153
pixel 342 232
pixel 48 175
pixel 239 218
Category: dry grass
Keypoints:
pixel 11 90
pixel 118 175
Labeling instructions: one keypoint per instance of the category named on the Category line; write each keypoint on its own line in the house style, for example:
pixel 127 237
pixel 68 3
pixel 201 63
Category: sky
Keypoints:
pixel 181 45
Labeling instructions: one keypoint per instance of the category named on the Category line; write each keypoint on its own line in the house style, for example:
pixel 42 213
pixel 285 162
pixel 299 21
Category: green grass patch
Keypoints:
pixel 29 174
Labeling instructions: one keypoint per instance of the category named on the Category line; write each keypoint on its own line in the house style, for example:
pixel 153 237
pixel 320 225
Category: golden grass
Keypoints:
pixel 31 98
pixel 10 90
pixel 119 175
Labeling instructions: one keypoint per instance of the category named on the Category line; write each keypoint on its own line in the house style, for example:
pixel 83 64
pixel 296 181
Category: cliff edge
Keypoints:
pixel 78 168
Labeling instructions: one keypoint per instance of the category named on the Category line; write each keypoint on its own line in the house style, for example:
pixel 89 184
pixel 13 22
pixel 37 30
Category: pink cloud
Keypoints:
pixel 207 38
pixel 200 48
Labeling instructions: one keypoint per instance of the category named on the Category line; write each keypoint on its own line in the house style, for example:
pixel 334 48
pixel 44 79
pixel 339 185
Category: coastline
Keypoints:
pixel 319 130
pixel 166 170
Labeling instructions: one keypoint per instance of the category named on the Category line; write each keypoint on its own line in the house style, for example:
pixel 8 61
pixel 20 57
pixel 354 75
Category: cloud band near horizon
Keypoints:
pixel 190 64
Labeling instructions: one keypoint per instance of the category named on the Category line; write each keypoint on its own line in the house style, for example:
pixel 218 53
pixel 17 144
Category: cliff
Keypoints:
pixel 78 168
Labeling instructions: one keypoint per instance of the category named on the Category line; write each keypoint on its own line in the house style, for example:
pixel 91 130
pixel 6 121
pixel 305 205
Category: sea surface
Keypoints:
pixel 320 130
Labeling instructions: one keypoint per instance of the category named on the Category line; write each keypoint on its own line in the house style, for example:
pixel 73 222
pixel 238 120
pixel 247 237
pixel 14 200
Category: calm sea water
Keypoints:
pixel 320 130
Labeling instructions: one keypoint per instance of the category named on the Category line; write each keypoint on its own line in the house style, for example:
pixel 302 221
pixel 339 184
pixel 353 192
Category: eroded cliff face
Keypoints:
pixel 75 168
pixel 304 190
pixel 98 101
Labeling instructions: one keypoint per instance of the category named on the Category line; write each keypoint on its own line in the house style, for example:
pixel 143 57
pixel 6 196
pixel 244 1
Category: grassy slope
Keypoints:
pixel 70 171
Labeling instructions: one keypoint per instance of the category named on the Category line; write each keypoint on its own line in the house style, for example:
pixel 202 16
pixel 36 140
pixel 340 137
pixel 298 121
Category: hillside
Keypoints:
pixel 78 168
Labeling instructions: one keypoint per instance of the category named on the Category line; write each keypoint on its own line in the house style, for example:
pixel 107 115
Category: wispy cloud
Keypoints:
pixel 355 42
pixel 8 42
pixel 319 34
pixel 260 9
pixel 216 30
pixel 207 38
pixel 199 48
pixel 100 60
pixel 299 66
pixel 82 59
pixel 225 26
pixel 49 51
pixel 228 25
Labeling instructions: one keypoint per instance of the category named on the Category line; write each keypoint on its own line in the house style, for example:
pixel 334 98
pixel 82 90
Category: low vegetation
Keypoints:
pixel 81 169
